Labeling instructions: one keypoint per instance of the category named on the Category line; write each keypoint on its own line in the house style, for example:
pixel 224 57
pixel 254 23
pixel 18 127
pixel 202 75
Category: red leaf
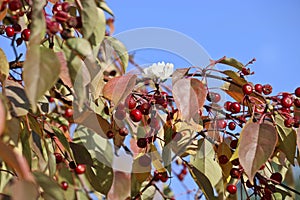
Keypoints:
pixel 64 70
pixel 119 88
pixel 189 96
pixel 257 144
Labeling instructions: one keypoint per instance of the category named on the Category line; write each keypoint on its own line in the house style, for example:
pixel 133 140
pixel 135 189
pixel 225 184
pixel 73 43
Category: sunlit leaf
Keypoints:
pixel 3 12
pixel 41 71
pixel 257 143
pixel 4 66
pixel 232 62
pixel 102 4
pixel 179 74
pixel 189 96
pixel 118 88
pixel 235 77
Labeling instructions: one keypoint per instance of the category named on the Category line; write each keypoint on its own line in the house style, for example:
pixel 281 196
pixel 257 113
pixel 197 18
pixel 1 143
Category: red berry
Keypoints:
pixel 286 102
pixel 14 5
pixel 144 160
pixel 9 31
pixel 227 105
pixel 57 7
pixel 110 134
pixel 233 144
pixel 235 107
pixel 277 177
pixel 17 27
pixel 61 16
pixel 58 158
pixel 262 167
pixel 231 126
pixel 245 71
pixel 297 103
pixel 161 101
pixel 53 27
pixel 223 159
pixel 258 88
pixel 247 89
pixel 183 171
pixel 65 6
pixel 130 102
pixel 136 115
pixel 19 41
pixel 51 99
pixel 69 112
pixel 267 89
pixel 221 124
pixel 145 108
pixel 80 169
pixel 142 142
pixel 231 188
pixel 235 162
pixel 25 34
pixel 72 164
pixel 248 184
pixel 123 131
pixel 64 185
pixel 289 122
pixel 164 177
pixel 180 176
pixel 297 92
pixel 213 97
pixel 235 173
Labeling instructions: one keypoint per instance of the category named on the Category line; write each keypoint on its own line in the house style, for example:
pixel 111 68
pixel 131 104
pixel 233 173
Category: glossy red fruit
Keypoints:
pixel 235 173
pixel 248 184
pixel 289 122
pixel 144 160
pixel 145 108
pixel 69 112
pixel 277 177
pixel 286 102
pixel 183 171
pixel 245 71
pixel 51 99
pixel 14 5
pixel 221 124
pixel 180 176
pixel 231 189
pixel 25 34
pixel 110 134
pixel 233 144
pixel 163 177
pixel 142 142
pixel 17 28
pixel 80 169
pixel 57 7
pixel 297 103
pixel 123 131
pixel 65 6
pixel 53 27
pixel 58 158
pixel 64 185
pixel 231 126
pixel 247 89
pixel 227 105
pixel 9 31
pixel 297 92
pixel 135 115
pixel 235 162
pixel 267 89
pixel 130 102
pixel 235 107
pixel 258 88
pixel 223 159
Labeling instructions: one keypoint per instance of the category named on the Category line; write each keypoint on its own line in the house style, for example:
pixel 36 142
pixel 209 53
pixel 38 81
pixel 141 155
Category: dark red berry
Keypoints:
pixel 277 177
pixel 58 158
pixel 145 108
pixel 245 71
pixel 231 126
pixel 64 185
pixel 65 6
pixel 17 27
pixel 262 167
pixel 144 160
pixel 286 102
pixel 227 105
pixel 61 16
pixel 297 92
pixel 14 5
pixel 258 88
pixel 80 169
pixel 213 97
pixel 106 110
pixel 25 34
pixel 163 177
pixel 183 171
pixel 235 162
pixel 19 41
pixel 142 142
pixel 267 89
pixel 248 184
pixel 223 159
pixel 123 131
pixel 57 7
pixel 180 176
pixel 233 144
pixel 289 122
pixel 162 101
pixel 247 89
pixel 235 107
pixel 136 115
pixel 69 112
pixel 221 124
pixel 297 103
pixel 72 164
pixel 130 102
pixel 53 27
pixel 156 176
pixel 9 31
pixel 231 189
pixel 235 173
pixel 110 134
pixel 51 99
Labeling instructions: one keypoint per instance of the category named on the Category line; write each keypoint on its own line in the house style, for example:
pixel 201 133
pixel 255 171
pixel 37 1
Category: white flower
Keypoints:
pixel 159 72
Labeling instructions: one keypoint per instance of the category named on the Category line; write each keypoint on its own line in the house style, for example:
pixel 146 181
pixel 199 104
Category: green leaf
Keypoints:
pixel 118 88
pixel 103 5
pixel 4 66
pixel 41 71
pixel 100 176
pixel 232 62
pixel 26 149
pixel 52 189
pixel 257 144
pixel 81 154
pixel 61 137
pixel 189 96
pixel 287 139
pixel 120 50
pixel 235 77
pixel 203 182
pixel 93 22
